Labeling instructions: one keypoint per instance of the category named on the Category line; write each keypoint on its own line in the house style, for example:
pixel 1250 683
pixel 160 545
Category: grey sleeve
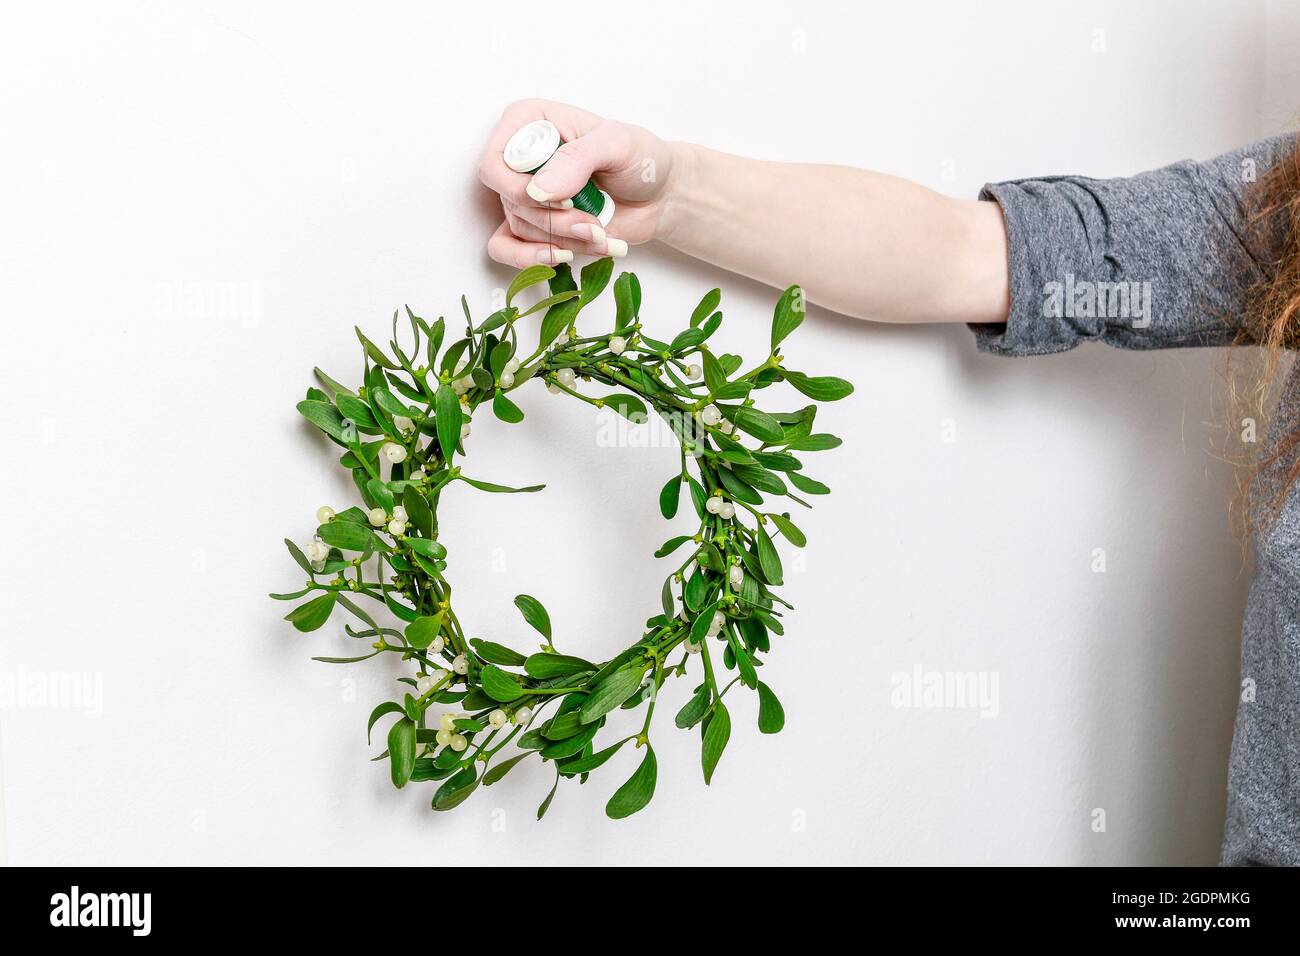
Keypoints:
pixel 1158 260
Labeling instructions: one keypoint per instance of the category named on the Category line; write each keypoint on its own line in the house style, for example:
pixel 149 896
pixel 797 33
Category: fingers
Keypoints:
pixel 558 222
pixel 605 148
pixel 492 170
pixel 508 249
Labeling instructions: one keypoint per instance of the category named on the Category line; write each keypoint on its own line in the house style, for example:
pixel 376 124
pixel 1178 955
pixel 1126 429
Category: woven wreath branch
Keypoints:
pixel 411 419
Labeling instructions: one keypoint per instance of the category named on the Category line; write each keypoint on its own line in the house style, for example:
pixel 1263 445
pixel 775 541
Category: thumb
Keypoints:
pixel 574 163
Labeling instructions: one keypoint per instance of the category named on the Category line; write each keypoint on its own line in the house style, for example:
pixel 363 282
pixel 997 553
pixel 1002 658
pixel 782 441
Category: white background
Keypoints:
pixel 198 201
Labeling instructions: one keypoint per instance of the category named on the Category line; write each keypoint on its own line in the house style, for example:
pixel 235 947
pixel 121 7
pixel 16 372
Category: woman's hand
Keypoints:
pixel 631 164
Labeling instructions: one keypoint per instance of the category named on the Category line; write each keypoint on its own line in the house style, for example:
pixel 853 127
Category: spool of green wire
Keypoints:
pixel 529 149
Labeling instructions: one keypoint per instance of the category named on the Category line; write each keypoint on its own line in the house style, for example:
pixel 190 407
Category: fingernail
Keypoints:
pixel 566 203
pixel 588 231
pixel 553 257
pixel 615 247
pixel 537 195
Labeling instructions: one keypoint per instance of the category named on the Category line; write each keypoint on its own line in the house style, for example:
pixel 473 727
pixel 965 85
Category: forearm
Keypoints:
pixel 861 243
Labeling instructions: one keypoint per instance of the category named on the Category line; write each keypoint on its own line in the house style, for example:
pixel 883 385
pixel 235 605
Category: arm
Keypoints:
pixel 1158 260
pixel 865 244
pixel 861 243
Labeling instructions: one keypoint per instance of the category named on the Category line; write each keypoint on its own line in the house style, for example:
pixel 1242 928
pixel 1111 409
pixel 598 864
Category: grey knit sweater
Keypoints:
pixel 1163 260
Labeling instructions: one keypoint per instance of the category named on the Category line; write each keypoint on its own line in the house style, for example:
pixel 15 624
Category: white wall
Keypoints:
pixel 158 156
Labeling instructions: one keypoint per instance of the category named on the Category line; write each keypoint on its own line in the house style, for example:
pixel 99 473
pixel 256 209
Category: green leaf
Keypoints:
pixel 421 632
pixel 324 416
pixel 498 489
pixel 819 442
pixel 551 301
pixel 821 388
pixel 715 378
pixel 637 791
pixel 759 424
pixel 419 514
pixel 571 746
pixel 610 693
pixel 694 710
pixel 500 770
pixel 669 498
pixel 387 707
pixel 716 735
pixel 809 486
pixel 789 529
pixel 771 715
pixel 505 409
pixel 495 653
pixel 376 354
pixel 768 559
pixel 627 300
pixel 499 685
pixel 629 406
pixel 357 410
pixel 588 764
pixel 449 418
pixel 332 385
pixel 535 614
pixel 313 614
pixel 401 751
pixel 526 278
pixel 546 804
pixel 426 546
pixel 706 307
pixel 546 666
pixel 380 493
pixel 301 559
pixel 788 314
pixel 672 544
pixel 345 535
pixel 595 276
pixel 557 319
pixel 456 789
pixel 501 353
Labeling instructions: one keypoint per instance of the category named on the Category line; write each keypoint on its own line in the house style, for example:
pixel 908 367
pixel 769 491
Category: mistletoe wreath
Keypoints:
pixel 411 419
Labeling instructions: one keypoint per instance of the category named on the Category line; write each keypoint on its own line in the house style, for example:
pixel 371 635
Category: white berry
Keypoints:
pixel 523 715
pixel 316 551
pixel 566 377
pixel 693 372
pixel 417 475
pixel 403 424
pixel 710 415
pixel 394 453
pixel 691 647
pixel 713 505
pixel 736 575
pixel 553 388
pixel 324 514
pixel 396 527
pixel 458 742
pixel 447 722
pixel 400 513
pixel 377 516
pixel 511 366
pixel 497 718
pixel 460 665
pixel 437 645
pixel 425 684
pixel 617 344
pixel 726 427
pixel 727 511
pixel 443 737
pixel 464 431
pixel 507 379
